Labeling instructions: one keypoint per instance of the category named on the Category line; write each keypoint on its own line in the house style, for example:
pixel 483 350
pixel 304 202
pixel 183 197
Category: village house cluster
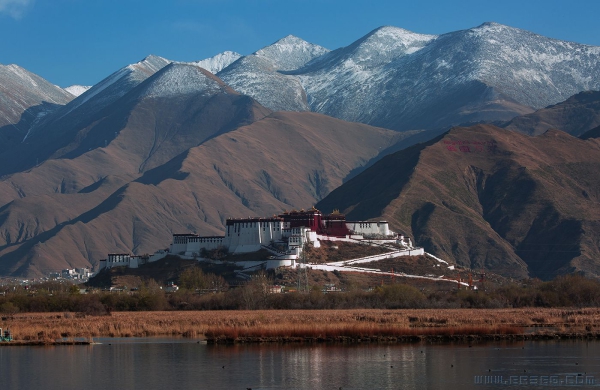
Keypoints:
pixel 78 274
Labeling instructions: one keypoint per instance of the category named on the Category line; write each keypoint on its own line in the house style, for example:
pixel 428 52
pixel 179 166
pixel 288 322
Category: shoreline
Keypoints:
pixel 466 338
pixel 42 343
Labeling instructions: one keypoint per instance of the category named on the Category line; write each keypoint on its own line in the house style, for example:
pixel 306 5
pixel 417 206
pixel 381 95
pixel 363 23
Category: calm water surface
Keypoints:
pixel 186 364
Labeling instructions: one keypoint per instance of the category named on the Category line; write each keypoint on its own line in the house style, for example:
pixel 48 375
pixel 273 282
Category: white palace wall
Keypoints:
pixel 196 244
pixel 369 228
pixel 180 243
pixel 248 235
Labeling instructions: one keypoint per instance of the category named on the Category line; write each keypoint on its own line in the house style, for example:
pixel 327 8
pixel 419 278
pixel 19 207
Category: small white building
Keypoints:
pixel 68 273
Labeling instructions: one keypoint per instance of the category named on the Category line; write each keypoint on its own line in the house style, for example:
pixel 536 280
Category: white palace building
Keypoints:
pixel 292 230
pixel 289 232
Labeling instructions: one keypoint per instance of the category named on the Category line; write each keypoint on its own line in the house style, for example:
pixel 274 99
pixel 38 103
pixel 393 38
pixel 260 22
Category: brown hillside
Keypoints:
pixel 593 133
pixel 487 197
pixel 72 212
pixel 575 116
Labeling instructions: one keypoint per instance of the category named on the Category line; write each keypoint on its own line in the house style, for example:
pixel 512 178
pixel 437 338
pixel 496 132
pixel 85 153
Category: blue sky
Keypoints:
pixel 82 41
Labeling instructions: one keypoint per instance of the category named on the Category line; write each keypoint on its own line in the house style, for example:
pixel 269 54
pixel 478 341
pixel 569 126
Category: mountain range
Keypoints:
pixel 161 147
pixel 401 80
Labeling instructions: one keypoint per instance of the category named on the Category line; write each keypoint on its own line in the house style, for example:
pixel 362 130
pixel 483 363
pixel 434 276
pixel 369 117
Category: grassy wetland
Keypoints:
pixel 354 325
pixel 207 308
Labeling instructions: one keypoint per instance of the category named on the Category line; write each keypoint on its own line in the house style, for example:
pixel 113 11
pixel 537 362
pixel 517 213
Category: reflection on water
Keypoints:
pixel 187 364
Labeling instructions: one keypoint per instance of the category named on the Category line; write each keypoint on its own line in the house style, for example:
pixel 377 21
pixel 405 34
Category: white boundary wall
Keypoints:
pixel 388 255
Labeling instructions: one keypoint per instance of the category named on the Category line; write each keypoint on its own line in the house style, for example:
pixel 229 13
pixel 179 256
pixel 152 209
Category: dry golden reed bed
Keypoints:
pixel 321 324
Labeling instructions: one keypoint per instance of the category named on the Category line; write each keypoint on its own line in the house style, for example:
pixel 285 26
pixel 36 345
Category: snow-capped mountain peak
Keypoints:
pixel 26 79
pixel 129 76
pixel 492 28
pixel 22 74
pixel 102 94
pixel 290 53
pixel 287 44
pixel 21 90
pixel 218 62
pixel 77 90
pixel 378 47
pixel 149 65
pixel 397 37
pixel 261 75
pixel 178 79
pixel 386 43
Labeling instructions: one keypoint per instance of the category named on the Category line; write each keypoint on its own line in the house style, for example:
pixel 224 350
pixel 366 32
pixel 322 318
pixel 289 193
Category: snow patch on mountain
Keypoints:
pixel 219 62
pixel 77 90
